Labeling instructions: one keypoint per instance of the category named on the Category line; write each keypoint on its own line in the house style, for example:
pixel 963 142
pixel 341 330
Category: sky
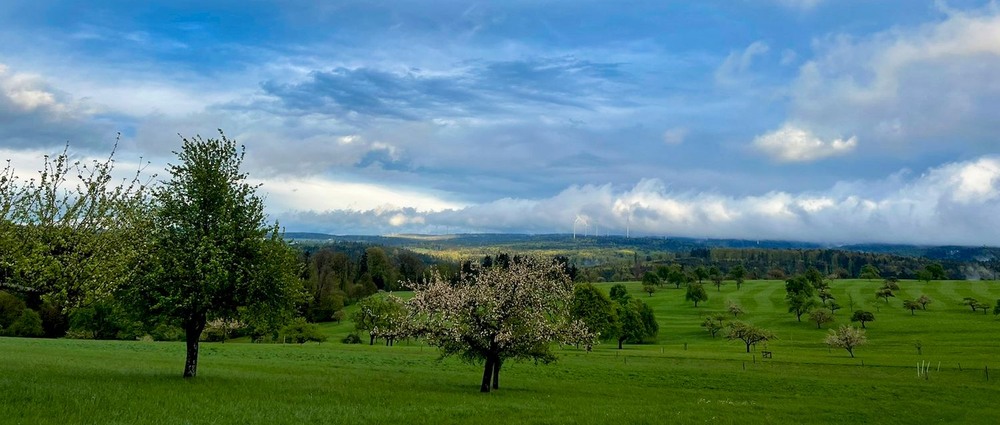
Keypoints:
pixel 832 121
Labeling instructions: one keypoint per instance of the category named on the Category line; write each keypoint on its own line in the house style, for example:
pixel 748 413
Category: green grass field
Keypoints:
pixel 688 377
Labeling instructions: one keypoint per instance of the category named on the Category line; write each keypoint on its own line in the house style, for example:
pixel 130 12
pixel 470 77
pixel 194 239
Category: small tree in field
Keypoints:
pixel 738 274
pixel 923 300
pixel 862 316
pixel 499 313
pixel 846 337
pixel 713 324
pixel 749 334
pixel 821 317
pixel 971 302
pixel 735 309
pixel 696 293
pixel 651 279
pixel 648 289
pixel 911 305
pixel 884 293
pixel 382 316
pixel 211 254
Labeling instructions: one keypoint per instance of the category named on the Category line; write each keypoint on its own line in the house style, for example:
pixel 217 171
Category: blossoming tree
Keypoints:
pixel 499 312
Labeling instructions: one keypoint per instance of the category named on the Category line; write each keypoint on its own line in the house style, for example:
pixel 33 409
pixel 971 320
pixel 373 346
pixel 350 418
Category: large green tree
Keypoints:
pixel 595 309
pixel 211 255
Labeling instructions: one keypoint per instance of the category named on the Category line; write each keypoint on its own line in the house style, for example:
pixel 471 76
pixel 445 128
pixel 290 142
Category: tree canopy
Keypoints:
pixel 210 254
pixel 499 313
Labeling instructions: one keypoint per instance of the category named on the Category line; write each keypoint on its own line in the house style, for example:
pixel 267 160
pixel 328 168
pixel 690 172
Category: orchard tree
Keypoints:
pixel 595 309
pixel 885 293
pixel 870 272
pixel 863 317
pixel 696 293
pixel 847 337
pixel 821 317
pixel 499 313
pixel 713 324
pixel 799 304
pixel 651 279
pixel 735 309
pixel 67 234
pixel 748 333
pixel 923 300
pixel 738 274
pixel 701 273
pixel 971 302
pixel 211 254
pixel 911 305
pixel 382 316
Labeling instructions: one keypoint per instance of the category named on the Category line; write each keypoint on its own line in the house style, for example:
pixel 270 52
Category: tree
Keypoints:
pixel 971 302
pixel 210 254
pixel 715 275
pixel 649 282
pixel 738 274
pixel 923 300
pixel 870 272
pixel 911 305
pixel 498 314
pixel 799 304
pixel 748 333
pixel 825 295
pixel 629 327
pixel 696 293
pixel 863 317
pixel 650 278
pixel 885 293
pixel 676 276
pixel 713 324
pixel 735 309
pixel 833 306
pixel 382 316
pixel 821 317
pixel 996 309
pixel 936 271
pixel 595 309
pixel 619 292
pixel 847 337
pixel 701 273
pixel 66 235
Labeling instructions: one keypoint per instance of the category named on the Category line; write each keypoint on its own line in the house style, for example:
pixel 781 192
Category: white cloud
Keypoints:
pixel 950 204
pixel 907 86
pixel 795 144
pixel 323 194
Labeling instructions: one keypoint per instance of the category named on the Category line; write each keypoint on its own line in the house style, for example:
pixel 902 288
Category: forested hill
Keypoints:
pixel 661 244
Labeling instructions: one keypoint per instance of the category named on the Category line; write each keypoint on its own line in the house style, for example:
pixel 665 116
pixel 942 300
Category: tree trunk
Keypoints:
pixel 192 335
pixel 371 341
pixel 496 373
pixel 748 347
pixel 487 374
pixel 851 351
pixel 817 325
pixel 620 343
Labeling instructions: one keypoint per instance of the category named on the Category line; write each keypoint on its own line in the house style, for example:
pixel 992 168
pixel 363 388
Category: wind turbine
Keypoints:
pixel 579 219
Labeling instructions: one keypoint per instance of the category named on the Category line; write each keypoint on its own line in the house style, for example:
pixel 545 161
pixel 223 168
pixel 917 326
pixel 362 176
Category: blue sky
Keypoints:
pixel 816 120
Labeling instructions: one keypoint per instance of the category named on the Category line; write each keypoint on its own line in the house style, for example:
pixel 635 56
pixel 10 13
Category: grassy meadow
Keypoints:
pixel 687 377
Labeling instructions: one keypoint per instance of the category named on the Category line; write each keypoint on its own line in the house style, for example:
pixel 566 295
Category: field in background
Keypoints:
pixel 687 377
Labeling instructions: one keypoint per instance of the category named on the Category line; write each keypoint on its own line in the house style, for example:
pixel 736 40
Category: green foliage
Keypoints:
pixel 696 293
pixel 66 233
pixel 351 338
pixel 11 308
pixel 911 305
pixel 619 293
pixel 713 324
pixel 382 316
pixel 300 331
pixel 102 320
pixel 595 309
pixel 738 273
pixel 28 324
pixel 800 303
pixel 862 317
pixel 210 254
pixel 870 272
pixel 651 279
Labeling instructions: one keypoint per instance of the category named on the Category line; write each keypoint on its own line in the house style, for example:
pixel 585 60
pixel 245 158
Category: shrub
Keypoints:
pixel 28 325
pixel 351 338
pixel 300 331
